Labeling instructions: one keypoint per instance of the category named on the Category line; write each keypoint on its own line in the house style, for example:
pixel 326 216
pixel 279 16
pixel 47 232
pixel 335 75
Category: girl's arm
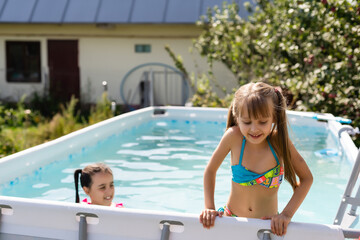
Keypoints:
pixel 207 216
pixel 279 222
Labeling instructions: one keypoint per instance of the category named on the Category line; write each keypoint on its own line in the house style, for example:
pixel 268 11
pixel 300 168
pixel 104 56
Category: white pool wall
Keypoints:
pixel 48 219
pixel 347 145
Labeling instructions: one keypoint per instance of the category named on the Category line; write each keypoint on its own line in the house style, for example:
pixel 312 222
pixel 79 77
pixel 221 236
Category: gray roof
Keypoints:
pixel 108 11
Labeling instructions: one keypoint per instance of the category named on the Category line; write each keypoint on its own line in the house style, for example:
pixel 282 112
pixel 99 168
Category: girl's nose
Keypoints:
pixel 108 191
pixel 111 190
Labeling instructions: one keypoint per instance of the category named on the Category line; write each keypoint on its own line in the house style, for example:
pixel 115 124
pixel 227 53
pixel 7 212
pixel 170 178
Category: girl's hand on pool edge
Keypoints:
pixel 207 217
pixel 279 223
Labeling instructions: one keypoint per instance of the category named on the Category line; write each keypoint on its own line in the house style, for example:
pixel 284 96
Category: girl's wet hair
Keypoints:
pixel 261 101
pixel 86 176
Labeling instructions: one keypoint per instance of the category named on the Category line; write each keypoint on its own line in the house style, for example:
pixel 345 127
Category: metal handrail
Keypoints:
pixel 347 199
pixel 350 130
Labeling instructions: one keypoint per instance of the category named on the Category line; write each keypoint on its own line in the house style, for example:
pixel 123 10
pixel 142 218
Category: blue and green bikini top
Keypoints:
pixel 270 179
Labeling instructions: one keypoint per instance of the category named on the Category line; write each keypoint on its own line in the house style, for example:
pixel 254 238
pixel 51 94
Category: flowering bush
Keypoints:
pixel 309 48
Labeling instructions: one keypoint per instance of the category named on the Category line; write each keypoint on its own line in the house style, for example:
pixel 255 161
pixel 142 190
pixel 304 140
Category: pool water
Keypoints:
pixel 159 165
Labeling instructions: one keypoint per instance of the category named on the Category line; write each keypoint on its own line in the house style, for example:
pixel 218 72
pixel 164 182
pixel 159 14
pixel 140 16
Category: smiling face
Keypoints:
pixel 101 191
pixel 256 126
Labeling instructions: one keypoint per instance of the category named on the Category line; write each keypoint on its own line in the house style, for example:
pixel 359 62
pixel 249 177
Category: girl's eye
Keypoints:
pixel 247 123
pixel 263 122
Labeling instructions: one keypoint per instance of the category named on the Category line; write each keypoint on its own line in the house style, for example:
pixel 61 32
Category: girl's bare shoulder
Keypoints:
pixel 233 132
pixel 231 137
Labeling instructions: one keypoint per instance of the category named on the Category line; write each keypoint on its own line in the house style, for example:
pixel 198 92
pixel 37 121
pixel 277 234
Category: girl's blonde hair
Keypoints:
pixel 257 98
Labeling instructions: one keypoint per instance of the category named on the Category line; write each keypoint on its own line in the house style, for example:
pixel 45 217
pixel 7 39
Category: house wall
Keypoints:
pixel 106 53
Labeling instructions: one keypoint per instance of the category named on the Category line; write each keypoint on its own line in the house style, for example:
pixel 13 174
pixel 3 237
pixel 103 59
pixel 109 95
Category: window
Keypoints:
pixel 23 62
pixel 142 48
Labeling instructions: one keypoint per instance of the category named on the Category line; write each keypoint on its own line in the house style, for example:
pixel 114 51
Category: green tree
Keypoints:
pixel 309 48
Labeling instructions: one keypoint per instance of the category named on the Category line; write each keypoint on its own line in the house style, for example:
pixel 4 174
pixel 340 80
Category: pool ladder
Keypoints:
pixel 342 219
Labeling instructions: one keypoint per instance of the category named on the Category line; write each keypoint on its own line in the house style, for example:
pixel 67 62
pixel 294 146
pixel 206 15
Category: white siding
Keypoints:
pixel 107 54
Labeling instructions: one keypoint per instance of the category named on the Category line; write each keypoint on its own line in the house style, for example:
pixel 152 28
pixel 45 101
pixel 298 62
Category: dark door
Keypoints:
pixel 63 69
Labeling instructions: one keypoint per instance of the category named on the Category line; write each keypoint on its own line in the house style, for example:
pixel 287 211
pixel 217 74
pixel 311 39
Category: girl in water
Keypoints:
pixel 97 182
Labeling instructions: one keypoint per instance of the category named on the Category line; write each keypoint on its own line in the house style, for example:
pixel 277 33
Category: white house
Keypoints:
pixel 69 47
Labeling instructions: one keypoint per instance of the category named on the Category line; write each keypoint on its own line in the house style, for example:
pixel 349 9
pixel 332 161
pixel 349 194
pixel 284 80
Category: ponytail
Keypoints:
pixel 282 140
pixel 76 178
pixel 231 119
pixel 86 175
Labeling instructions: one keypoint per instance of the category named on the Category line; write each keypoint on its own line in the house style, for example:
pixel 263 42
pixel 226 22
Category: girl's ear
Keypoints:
pixel 86 190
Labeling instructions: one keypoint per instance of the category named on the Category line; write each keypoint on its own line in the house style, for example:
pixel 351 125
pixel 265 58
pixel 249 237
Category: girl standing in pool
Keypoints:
pixel 97 182
pixel 262 154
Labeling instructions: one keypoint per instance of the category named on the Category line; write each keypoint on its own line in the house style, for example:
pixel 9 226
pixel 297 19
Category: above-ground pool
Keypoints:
pixel 158 159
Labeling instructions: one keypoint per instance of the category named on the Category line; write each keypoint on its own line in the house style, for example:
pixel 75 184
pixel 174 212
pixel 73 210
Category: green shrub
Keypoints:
pixel 45 104
pixel 21 128
pixel 66 121
pixel 102 110
pixel 13 140
pixel 309 48
pixel 18 115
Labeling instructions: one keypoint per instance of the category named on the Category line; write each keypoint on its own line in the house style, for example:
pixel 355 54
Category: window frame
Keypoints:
pixel 30 54
pixel 142 48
